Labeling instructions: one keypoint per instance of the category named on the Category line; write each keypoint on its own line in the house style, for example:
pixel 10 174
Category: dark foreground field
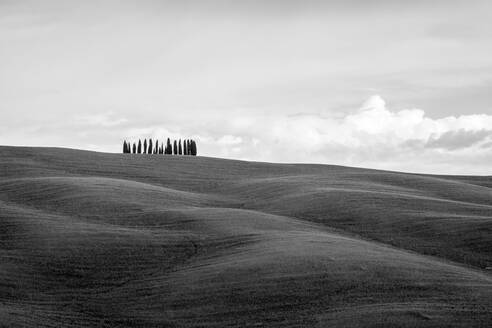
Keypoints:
pixel 112 240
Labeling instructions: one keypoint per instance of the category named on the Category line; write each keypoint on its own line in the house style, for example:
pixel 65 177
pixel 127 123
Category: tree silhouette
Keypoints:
pixel 177 147
pixel 169 147
pixel 193 147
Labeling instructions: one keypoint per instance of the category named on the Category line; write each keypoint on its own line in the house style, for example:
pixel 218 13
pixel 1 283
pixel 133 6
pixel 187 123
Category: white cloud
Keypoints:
pixel 229 140
pixel 375 122
pixel 373 136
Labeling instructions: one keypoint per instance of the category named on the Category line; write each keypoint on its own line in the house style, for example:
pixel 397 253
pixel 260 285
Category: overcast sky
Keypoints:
pixel 400 85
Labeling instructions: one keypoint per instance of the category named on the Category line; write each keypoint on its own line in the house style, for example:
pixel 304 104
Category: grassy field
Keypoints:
pixel 114 240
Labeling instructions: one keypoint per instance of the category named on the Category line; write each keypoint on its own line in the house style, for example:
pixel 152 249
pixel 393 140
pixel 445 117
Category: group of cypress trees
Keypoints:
pixel 188 147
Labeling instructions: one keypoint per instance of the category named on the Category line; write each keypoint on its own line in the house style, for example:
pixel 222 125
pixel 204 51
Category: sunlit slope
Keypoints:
pixel 436 216
pixel 92 239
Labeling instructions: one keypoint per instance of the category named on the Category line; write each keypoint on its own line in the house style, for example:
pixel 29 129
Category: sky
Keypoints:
pixel 386 84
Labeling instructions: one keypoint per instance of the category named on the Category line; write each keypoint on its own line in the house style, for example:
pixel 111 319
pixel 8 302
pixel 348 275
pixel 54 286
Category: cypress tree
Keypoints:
pixel 134 148
pixel 144 150
pixel 193 147
pixel 139 149
pixel 184 147
pixel 180 149
pixel 189 147
pixel 150 146
pixel 156 148
pixel 124 146
pixel 175 148
pixel 169 148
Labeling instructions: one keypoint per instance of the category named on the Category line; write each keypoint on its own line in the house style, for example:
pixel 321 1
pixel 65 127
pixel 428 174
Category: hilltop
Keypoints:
pixel 97 239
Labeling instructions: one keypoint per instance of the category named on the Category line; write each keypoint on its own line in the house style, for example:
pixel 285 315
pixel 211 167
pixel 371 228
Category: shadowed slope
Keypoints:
pixel 91 239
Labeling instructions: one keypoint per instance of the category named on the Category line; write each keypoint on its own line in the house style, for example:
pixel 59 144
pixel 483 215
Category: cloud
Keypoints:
pixel 376 125
pixel 371 136
pixel 453 140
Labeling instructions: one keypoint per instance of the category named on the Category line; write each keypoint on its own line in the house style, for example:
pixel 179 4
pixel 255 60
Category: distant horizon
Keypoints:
pixel 393 85
pixel 251 161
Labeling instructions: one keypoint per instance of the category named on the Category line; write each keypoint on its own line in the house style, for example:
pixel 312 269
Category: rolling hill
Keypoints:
pixel 92 239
